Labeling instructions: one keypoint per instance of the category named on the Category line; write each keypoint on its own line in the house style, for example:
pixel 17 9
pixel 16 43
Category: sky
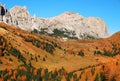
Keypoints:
pixel 107 10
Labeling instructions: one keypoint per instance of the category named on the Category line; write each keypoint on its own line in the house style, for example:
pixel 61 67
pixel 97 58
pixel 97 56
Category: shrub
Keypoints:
pixel 36 59
pixel 39 56
pixel 88 36
pixel 1 62
pixel 93 71
pixel 55 74
pixel 58 32
pixel 97 52
pixel 102 76
pixel 36 43
pixel 75 77
pixel 81 53
pixel 106 53
pixel 6 52
pixel 10 59
pixel 49 48
pixel 35 31
pixel 61 71
pixel 44 59
pixel 5 72
pixel 69 76
pixel 97 77
pixel 17 53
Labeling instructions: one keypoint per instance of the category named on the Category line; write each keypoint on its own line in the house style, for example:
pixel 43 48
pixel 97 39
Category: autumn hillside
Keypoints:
pixel 30 56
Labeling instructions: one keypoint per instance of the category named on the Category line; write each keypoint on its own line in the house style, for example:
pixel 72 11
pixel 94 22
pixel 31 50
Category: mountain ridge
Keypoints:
pixel 36 49
pixel 69 22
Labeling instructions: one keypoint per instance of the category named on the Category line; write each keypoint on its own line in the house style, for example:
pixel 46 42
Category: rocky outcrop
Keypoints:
pixel 5 15
pixel 24 20
pixel 80 25
pixel 71 24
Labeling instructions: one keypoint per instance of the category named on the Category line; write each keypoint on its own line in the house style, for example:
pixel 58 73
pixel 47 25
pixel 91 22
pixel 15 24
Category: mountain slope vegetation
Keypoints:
pixel 28 56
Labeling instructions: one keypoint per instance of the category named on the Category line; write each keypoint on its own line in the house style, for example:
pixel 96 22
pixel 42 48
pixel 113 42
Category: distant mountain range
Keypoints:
pixel 68 24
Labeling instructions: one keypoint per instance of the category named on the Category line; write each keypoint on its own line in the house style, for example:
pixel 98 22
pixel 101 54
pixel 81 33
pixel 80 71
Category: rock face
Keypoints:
pixel 74 22
pixel 5 15
pixel 69 23
pixel 24 20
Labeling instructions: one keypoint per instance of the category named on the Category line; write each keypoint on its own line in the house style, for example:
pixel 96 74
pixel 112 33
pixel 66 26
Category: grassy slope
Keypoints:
pixel 70 61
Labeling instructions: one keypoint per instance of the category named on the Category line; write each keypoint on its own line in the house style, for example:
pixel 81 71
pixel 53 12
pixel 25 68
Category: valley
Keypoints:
pixel 50 58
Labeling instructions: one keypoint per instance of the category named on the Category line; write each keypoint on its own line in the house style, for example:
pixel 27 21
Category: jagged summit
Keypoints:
pixel 69 13
pixel 71 23
pixel 21 11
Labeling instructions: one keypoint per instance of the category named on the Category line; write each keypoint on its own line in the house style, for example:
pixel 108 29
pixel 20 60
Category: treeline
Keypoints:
pixel 58 33
pixel 13 51
pixel 48 47
pixel 28 73
pixel 114 51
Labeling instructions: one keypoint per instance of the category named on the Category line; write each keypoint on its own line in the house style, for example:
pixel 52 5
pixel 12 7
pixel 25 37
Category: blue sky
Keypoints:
pixel 108 10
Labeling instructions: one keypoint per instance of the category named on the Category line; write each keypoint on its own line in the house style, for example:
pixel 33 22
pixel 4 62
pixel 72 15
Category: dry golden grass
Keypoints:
pixel 69 60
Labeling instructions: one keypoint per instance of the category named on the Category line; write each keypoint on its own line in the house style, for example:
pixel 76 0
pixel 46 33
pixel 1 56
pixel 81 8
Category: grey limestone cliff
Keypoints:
pixel 73 24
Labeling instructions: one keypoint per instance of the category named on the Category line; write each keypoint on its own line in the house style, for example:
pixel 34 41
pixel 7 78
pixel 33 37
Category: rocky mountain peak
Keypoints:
pixel 19 12
pixel 23 18
pixel 3 10
pixel 71 24
pixel 70 15
pixel 5 15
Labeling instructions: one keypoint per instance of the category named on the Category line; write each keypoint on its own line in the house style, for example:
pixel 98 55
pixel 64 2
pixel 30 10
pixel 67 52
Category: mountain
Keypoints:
pixel 68 24
pixel 27 56
pixel 37 49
